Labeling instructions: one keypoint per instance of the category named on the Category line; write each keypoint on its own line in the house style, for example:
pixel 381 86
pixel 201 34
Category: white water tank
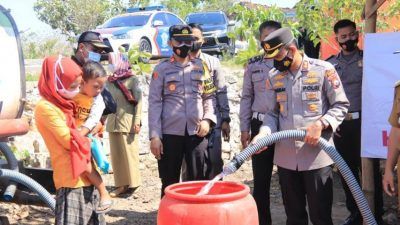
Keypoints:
pixel 12 71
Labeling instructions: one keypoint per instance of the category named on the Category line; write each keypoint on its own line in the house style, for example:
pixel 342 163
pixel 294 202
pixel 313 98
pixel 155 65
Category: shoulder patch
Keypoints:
pixel 255 59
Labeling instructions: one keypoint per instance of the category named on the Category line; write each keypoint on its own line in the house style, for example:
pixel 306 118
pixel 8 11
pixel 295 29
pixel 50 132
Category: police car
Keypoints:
pixel 147 27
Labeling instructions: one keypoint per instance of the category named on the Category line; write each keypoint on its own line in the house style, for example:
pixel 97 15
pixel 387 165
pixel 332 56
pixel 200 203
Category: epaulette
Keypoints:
pixel 254 59
pixel 397 84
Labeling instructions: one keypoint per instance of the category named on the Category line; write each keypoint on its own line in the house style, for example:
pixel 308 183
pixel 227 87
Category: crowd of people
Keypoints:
pixel 189 115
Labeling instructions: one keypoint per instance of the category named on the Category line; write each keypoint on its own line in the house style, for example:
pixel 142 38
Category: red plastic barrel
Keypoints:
pixel 227 203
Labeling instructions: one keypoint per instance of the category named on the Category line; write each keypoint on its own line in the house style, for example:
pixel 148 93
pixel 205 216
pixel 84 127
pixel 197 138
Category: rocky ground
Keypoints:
pixel 140 208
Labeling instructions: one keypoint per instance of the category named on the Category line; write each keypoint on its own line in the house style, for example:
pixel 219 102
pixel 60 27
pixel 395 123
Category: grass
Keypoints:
pixel 32 76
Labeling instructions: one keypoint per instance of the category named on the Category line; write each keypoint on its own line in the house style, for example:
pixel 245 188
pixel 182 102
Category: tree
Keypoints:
pixel 136 3
pixel 318 17
pixel 182 8
pixel 247 22
pixel 73 17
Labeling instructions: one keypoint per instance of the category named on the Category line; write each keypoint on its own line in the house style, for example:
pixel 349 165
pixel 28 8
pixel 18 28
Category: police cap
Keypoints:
pixel 275 40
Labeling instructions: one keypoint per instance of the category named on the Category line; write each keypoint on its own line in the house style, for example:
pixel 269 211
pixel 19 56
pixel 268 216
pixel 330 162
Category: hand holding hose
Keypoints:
pixel 313 133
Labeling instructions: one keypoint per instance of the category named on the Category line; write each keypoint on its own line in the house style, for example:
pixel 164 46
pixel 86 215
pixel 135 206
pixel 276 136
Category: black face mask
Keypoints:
pixel 284 64
pixel 196 46
pixel 182 51
pixel 349 45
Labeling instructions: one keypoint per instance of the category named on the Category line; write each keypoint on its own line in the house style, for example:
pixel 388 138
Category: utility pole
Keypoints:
pixel 368 179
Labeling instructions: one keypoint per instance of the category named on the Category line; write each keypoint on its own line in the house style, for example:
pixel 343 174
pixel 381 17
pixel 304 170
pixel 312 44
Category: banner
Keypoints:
pixel 381 72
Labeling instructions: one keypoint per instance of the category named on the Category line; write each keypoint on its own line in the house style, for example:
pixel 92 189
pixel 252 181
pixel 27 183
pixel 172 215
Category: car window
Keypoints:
pixel 127 21
pixel 206 18
pixel 173 20
pixel 161 17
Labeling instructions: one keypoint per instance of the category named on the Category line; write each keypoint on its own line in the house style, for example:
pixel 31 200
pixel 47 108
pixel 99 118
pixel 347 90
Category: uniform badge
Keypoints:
pixel 185 31
pixel 311 95
pixel 172 87
pixel 281 97
pixel 311 80
pixel 279 77
pixel 312 107
pixel 360 63
pixel 155 75
pixel 286 63
pixel 279 84
pixel 312 74
pixel 333 78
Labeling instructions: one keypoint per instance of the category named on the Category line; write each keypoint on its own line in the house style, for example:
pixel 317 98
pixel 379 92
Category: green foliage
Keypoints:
pixel 182 8
pixel 137 58
pixel 20 155
pixel 319 17
pixel 248 21
pixel 253 49
pixel 73 17
pixel 136 3
pixel 32 76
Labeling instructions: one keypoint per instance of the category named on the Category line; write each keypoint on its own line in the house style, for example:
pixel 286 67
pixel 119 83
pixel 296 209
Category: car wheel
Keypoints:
pixel 145 46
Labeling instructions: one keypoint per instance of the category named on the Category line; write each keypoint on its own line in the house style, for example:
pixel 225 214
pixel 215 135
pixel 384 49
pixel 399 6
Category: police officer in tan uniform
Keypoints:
pixel 252 111
pixel 302 93
pixel 180 112
pixel 393 144
pixel 347 139
pixel 217 86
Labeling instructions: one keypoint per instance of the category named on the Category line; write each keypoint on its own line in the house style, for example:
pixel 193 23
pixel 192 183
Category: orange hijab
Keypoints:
pixel 80 146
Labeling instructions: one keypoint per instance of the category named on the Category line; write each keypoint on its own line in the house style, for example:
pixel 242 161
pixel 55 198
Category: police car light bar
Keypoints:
pixel 148 8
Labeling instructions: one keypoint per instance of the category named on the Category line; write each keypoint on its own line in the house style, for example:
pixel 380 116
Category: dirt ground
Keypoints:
pixel 140 207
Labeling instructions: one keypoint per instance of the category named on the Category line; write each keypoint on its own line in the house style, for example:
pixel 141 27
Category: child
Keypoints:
pixel 93 80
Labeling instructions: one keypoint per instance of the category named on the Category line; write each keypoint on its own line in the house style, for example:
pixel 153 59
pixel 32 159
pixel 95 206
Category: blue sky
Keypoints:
pixel 25 17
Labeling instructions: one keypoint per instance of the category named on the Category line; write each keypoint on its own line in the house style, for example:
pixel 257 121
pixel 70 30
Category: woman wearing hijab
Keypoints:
pixel 76 197
pixel 124 125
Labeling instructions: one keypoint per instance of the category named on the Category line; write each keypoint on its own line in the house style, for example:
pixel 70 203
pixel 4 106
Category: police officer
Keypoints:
pixel 393 144
pixel 251 115
pixel 349 65
pixel 216 85
pixel 302 93
pixel 180 111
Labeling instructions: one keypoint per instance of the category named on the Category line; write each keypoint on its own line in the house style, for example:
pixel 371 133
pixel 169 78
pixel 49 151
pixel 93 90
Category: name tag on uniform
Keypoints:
pixel 311 88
